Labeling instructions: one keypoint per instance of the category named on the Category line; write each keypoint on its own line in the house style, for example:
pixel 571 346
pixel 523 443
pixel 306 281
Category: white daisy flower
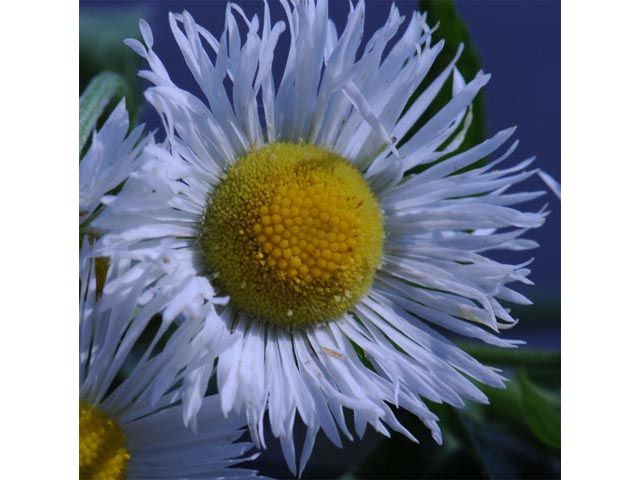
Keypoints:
pixel 109 160
pixel 123 434
pixel 343 269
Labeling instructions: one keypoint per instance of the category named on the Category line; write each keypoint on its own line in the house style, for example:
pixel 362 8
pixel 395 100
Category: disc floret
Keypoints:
pixel 103 455
pixel 293 234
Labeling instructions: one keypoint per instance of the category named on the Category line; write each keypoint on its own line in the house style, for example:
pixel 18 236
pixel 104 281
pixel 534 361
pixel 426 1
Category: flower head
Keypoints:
pixel 296 216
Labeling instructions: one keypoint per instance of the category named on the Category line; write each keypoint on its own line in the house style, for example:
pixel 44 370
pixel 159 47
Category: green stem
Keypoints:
pixel 513 357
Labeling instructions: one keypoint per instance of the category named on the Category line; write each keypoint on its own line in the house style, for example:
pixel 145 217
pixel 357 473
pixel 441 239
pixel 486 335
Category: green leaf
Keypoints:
pixel 505 405
pixel 102 48
pixel 540 411
pixel 347 476
pixel 486 442
pixel 454 32
pixel 98 95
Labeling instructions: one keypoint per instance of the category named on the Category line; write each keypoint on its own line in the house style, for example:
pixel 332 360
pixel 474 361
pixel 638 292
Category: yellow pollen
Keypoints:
pixel 103 455
pixel 294 233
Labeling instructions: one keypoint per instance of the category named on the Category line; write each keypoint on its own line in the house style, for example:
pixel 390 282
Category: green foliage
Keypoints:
pixel 513 357
pixel 102 33
pixel 101 44
pixel 516 435
pixel 540 411
pixel 103 91
pixel 526 406
pixel 484 442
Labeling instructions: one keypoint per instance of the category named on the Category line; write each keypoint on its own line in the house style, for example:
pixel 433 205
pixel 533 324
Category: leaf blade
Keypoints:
pixel 541 415
pixel 102 89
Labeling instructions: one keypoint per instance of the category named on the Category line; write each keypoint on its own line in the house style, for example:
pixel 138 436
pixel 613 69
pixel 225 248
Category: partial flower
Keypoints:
pixel 336 250
pixel 551 182
pixel 109 160
pixel 126 429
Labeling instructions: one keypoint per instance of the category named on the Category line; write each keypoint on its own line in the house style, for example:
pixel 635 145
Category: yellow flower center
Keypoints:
pixel 103 455
pixel 293 234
